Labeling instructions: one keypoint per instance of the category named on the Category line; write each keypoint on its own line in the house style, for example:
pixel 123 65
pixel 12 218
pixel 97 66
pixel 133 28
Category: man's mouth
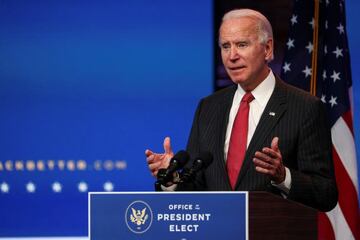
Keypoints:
pixel 236 68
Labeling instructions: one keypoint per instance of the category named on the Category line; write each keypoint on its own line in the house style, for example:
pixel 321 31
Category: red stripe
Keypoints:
pixel 325 230
pixel 349 121
pixel 348 199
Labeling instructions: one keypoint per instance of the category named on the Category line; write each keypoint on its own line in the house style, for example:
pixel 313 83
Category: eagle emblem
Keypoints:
pixel 138 217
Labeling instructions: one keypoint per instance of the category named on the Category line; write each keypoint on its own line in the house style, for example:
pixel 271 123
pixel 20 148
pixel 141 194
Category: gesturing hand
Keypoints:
pixel 157 161
pixel 269 161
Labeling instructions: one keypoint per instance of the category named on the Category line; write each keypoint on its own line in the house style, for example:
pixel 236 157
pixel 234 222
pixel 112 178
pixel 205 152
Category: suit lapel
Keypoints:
pixel 224 110
pixel 273 111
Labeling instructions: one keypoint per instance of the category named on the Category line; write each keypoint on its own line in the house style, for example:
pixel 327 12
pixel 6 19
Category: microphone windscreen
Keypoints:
pixel 206 159
pixel 181 158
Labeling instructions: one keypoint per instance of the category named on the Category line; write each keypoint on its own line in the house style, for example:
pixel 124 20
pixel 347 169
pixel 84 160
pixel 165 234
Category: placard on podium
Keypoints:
pixel 198 216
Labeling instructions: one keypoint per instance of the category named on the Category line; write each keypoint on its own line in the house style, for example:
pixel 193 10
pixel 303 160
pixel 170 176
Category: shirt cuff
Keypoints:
pixel 171 188
pixel 286 184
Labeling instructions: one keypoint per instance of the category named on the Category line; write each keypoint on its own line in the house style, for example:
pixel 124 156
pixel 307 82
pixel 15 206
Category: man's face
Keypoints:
pixel 244 57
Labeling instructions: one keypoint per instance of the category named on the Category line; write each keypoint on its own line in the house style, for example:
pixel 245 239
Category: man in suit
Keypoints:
pixel 264 134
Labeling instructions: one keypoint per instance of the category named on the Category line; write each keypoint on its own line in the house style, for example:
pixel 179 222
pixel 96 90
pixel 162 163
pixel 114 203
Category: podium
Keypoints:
pixel 198 215
pixel 273 217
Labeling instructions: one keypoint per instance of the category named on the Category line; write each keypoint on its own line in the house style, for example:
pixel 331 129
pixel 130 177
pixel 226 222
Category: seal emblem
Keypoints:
pixel 138 217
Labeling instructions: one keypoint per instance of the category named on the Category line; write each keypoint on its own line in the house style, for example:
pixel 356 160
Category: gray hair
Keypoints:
pixel 263 27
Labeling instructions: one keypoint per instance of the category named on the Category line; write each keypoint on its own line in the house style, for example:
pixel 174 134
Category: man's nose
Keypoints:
pixel 234 55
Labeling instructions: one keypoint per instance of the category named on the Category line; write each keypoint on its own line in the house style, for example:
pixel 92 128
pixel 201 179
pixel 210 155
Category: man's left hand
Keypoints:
pixel 269 161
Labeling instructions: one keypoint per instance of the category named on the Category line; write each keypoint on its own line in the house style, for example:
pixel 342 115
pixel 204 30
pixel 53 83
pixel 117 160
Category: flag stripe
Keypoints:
pixel 347 116
pixel 325 228
pixel 339 224
pixel 343 142
pixel 347 196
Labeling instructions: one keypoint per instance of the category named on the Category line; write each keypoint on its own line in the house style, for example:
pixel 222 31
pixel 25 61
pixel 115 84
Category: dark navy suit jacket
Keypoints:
pixel 304 140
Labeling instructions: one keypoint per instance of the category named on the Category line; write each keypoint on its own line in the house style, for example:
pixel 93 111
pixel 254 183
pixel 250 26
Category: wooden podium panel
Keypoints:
pixel 273 217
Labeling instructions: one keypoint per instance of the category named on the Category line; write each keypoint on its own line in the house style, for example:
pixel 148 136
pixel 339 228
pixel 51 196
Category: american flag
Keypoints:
pixel 317 60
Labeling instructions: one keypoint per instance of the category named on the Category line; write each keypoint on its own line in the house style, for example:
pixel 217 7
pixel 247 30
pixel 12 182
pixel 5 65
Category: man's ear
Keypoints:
pixel 269 49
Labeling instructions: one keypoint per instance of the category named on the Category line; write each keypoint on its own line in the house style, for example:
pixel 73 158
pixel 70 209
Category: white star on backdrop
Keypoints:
pixel 324 75
pixel 310 47
pixel 335 76
pixel 323 98
pixel 286 67
pixel 333 101
pixel 340 28
pixel 108 186
pixel 293 19
pixel 338 52
pixel 325 50
pixel 82 186
pixel 326 24
pixel 307 71
pixel 57 187
pixel 312 23
pixel 290 43
pixel 4 187
pixel 30 187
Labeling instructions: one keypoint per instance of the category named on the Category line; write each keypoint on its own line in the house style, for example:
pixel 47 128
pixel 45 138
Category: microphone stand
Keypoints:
pixel 161 179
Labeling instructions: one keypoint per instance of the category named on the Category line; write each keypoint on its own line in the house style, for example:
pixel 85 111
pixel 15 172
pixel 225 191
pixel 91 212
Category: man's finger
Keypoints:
pixel 264 157
pixel 150 159
pixel 154 174
pixel 154 166
pixel 262 170
pixel 262 164
pixel 275 144
pixel 148 152
pixel 167 145
pixel 271 152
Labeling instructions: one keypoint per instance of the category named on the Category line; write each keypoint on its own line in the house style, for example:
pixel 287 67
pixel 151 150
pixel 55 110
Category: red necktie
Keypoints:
pixel 238 140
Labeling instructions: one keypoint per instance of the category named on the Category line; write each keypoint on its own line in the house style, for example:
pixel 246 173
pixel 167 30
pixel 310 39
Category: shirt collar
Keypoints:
pixel 263 91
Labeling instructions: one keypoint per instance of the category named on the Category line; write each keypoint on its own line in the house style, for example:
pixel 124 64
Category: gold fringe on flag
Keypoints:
pixel 315 49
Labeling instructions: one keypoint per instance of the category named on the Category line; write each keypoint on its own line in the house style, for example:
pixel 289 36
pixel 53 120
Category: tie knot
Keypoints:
pixel 248 97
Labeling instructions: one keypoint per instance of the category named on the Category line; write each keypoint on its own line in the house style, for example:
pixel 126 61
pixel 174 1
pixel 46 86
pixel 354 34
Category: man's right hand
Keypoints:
pixel 157 161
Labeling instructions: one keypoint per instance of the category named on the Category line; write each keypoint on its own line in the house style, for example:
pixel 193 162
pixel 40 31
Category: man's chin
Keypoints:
pixel 237 80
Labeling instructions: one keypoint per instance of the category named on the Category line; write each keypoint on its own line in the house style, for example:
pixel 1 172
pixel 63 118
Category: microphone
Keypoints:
pixel 177 162
pixel 201 162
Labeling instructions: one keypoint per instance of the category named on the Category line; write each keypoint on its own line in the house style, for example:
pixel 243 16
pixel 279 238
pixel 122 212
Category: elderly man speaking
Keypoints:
pixel 264 135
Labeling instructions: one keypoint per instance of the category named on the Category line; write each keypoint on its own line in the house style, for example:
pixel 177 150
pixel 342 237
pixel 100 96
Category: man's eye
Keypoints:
pixel 225 46
pixel 242 44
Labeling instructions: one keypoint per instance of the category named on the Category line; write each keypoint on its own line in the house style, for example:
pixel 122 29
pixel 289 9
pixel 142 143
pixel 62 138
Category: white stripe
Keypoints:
pixel 339 224
pixel 344 145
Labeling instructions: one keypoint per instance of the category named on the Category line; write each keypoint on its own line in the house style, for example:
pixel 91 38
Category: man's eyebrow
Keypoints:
pixel 241 40
pixel 223 43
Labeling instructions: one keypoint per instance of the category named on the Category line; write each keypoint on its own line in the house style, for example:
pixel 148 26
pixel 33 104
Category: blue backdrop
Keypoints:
pixel 86 87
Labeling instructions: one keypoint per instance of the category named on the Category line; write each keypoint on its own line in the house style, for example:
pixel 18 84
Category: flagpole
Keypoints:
pixel 315 45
